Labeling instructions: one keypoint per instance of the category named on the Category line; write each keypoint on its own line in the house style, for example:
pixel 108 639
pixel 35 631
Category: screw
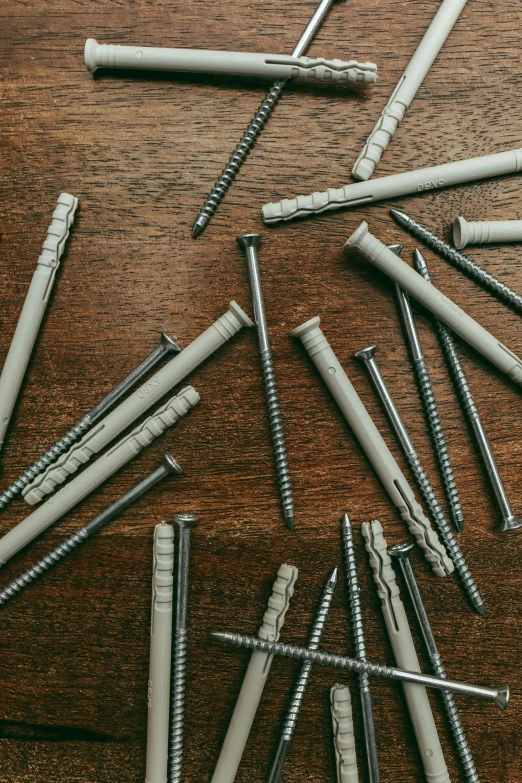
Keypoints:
pixel 167 345
pixel 186 522
pixel 360 649
pixel 304 675
pixel 367 356
pixel 250 243
pixel 431 410
pixel 449 349
pixel 460 261
pixel 167 467
pixel 498 695
pixel 401 553
pixel 251 134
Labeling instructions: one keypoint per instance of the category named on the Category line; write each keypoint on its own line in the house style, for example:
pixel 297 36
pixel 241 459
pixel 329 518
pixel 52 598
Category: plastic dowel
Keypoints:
pixel 34 307
pixel 140 401
pixel 436 302
pixel 95 474
pixel 396 185
pixel 264 66
pixel 158 687
pixel 373 445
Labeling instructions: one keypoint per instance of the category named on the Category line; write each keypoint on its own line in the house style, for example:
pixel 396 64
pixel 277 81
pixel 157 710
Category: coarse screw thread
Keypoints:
pixel 457 729
pixel 454 550
pixel 178 706
pixel 354 598
pixel 440 447
pixel 238 157
pixel 278 439
pixel 401 554
pixel 51 455
pixel 460 261
pixel 313 644
pixel 498 695
pixel 43 565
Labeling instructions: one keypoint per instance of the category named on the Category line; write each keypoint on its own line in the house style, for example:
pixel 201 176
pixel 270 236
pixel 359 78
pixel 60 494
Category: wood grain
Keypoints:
pixel 141 152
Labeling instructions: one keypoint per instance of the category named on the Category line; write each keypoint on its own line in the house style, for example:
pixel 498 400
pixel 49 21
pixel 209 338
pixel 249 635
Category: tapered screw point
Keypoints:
pixel 458 521
pixel 186 521
pixel 172 465
pixel 400 217
pixel 200 224
pixel 169 342
pixel 289 519
pixel 419 260
pixel 332 580
pixel 479 606
pixel 249 240
pixel 366 353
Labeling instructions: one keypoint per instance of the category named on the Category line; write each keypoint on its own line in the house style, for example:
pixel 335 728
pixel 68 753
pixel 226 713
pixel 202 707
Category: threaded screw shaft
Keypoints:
pixel 438 439
pixel 354 599
pixel 44 564
pixel 460 261
pixel 238 157
pixel 277 436
pixel 178 706
pixel 51 455
pixel 401 553
pixel 498 695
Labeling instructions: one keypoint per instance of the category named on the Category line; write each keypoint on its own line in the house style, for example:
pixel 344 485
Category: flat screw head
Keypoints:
pixel 400 551
pixel 169 344
pixel 367 354
pixel 186 521
pixel 171 465
pixel 249 240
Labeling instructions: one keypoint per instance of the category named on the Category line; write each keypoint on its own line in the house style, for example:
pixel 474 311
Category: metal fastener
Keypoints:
pixel 354 599
pixel 449 349
pixel 185 522
pixel 431 410
pixel 367 356
pixel 498 695
pixel 460 261
pixel 167 346
pixel 246 144
pixel 401 553
pixel 169 466
pixel 302 682
pixel 250 243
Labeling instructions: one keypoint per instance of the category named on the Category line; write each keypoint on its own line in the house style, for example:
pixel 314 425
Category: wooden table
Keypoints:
pixel 141 152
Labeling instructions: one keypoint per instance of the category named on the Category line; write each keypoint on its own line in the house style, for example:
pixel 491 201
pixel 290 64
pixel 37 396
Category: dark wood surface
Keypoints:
pixel 141 152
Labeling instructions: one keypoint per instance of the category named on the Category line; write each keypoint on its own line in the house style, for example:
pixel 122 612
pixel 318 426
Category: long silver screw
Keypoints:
pixel 250 243
pixel 360 649
pixel 401 553
pixel 169 466
pixel 449 349
pixel 498 695
pixel 460 261
pixel 302 681
pixel 431 410
pixel 244 147
pixel 367 356
pixel 186 522
pixel 167 346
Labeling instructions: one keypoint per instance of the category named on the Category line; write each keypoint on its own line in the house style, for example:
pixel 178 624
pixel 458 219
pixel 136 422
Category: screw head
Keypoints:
pixel 186 521
pixel 249 240
pixel 169 344
pixel 400 551
pixel 171 465
pixel 367 354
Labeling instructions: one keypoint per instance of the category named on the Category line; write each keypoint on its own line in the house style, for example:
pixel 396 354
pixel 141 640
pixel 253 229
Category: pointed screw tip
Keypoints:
pixel 332 580
pixel 480 608
pixel 199 226
pixel 290 521
pixel 401 217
